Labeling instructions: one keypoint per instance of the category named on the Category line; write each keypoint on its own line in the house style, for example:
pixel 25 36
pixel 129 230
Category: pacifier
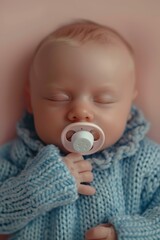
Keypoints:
pixel 82 137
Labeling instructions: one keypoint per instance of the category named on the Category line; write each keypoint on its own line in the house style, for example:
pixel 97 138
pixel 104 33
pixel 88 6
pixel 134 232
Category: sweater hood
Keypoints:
pixel 126 146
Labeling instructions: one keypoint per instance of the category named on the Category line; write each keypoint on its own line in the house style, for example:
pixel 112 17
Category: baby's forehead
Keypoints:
pixel 53 52
pixel 59 60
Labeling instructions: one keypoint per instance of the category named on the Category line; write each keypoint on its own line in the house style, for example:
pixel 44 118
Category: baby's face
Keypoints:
pixel 89 83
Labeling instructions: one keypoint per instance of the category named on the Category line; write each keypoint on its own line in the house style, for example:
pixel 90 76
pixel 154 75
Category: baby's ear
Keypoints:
pixel 27 97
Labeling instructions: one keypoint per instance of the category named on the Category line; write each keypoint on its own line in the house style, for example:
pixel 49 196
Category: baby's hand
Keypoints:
pixel 101 232
pixel 82 171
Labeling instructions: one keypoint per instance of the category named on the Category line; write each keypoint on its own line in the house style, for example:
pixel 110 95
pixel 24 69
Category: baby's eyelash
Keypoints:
pixel 104 99
pixel 59 97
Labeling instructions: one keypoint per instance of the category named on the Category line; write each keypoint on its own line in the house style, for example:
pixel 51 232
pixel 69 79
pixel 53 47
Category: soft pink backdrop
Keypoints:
pixel 24 23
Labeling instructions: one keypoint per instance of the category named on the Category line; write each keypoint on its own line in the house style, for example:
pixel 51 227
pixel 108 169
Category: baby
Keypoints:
pixel 106 186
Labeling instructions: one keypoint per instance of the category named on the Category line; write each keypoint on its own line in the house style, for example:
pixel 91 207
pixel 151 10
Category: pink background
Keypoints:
pixel 24 23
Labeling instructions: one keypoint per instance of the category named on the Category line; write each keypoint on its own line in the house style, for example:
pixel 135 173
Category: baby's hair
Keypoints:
pixel 82 31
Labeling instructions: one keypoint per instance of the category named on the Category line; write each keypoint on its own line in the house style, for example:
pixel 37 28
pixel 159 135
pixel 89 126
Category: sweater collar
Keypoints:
pixel 135 131
pixel 126 146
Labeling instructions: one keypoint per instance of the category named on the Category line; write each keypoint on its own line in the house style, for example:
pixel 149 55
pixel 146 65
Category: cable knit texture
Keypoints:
pixel 39 199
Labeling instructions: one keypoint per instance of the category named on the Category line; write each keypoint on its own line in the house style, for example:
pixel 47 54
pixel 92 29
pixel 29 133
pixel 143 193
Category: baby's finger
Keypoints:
pixel 86 189
pixel 96 233
pixel 83 166
pixel 77 157
pixel 85 177
pixel 73 157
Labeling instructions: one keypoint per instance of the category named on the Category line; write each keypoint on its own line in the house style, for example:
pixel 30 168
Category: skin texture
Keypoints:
pixel 101 232
pixel 91 83
pixel 87 83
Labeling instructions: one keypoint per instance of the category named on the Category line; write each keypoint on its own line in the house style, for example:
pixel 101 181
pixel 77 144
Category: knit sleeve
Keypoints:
pixel 139 227
pixel 146 225
pixel 45 183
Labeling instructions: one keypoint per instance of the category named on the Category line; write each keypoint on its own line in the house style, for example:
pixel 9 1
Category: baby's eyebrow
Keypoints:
pixel 53 85
pixel 55 88
pixel 107 89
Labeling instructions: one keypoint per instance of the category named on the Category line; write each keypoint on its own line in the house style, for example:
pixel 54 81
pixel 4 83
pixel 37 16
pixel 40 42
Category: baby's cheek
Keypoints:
pixel 113 132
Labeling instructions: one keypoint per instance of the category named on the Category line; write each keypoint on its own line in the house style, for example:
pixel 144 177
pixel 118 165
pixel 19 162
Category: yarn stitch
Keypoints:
pixel 39 199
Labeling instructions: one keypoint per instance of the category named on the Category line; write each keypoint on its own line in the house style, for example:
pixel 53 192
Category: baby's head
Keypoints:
pixel 82 72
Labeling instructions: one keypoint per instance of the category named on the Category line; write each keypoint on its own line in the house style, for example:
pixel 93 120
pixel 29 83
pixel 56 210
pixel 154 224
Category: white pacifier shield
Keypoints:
pixel 82 140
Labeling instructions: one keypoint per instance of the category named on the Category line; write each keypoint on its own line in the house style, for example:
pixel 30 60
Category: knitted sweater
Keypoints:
pixel 39 199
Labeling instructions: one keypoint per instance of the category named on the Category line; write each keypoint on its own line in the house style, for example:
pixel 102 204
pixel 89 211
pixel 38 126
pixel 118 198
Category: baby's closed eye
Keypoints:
pixel 59 97
pixel 104 99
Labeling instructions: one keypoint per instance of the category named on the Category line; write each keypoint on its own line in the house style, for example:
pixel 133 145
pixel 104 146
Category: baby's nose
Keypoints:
pixel 80 114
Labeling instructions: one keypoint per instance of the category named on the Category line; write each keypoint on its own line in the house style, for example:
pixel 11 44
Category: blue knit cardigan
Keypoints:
pixel 39 199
